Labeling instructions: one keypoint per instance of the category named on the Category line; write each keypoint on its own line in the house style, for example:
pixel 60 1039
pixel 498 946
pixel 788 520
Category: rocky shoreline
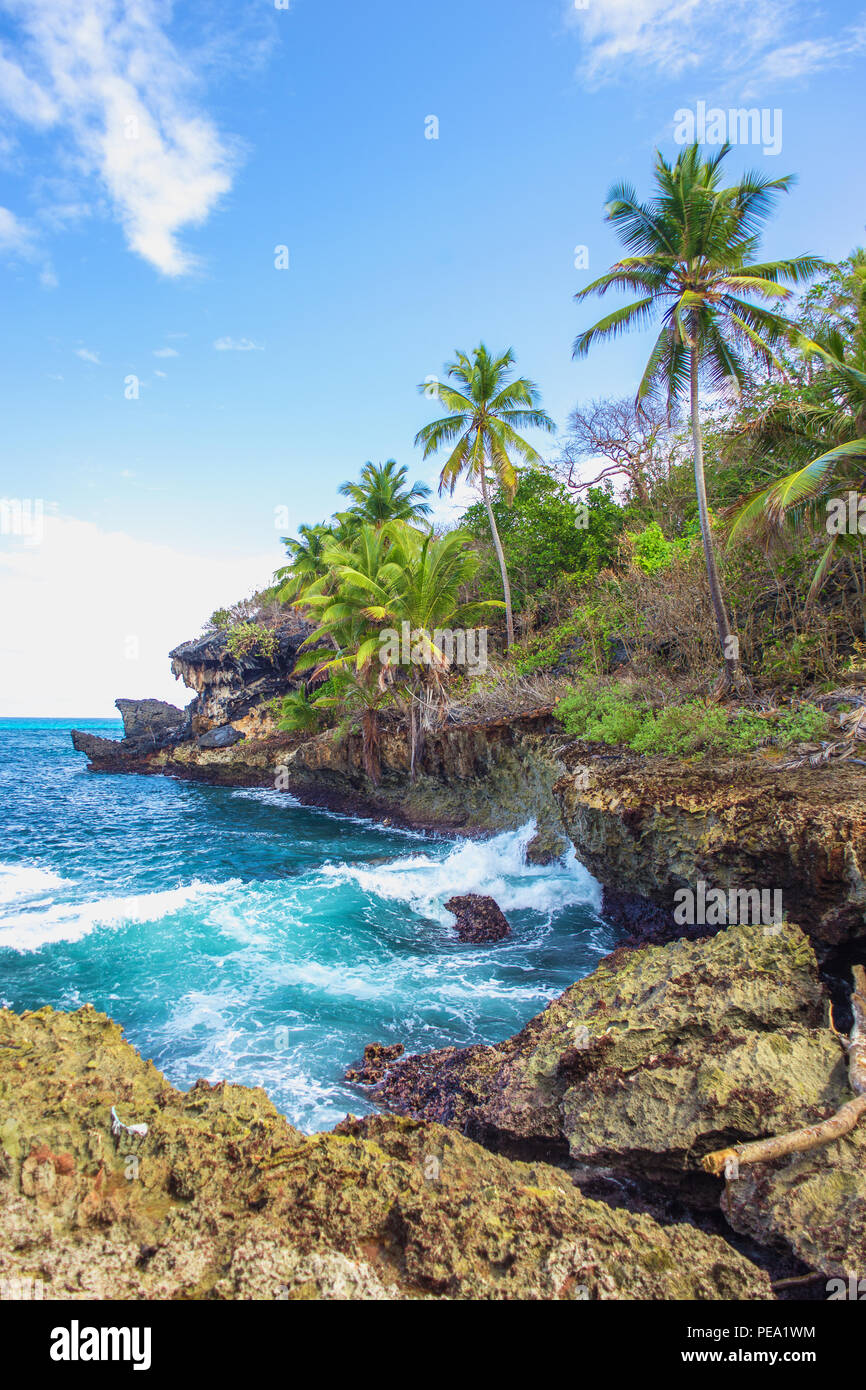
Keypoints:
pixel 564 1162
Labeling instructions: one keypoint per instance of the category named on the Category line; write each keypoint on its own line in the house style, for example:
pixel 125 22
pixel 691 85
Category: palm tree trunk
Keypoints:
pixel 500 555
pixel 726 636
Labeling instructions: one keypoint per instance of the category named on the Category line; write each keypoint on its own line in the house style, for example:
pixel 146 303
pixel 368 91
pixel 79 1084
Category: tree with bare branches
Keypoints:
pixel 636 443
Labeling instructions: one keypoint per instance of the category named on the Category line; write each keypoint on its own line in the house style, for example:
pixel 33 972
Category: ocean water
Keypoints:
pixel 236 934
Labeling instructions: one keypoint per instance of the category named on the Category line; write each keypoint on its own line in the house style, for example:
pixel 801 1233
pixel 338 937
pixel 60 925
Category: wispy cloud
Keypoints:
pixel 166 352
pixel 20 241
pixel 237 345
pixel 754 39
pixel 87 356
pixel 107 73
pixel 14 235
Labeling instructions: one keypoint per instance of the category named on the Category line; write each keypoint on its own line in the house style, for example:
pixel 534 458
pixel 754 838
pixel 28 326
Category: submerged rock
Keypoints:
pixel 225 1200
pixel 479 918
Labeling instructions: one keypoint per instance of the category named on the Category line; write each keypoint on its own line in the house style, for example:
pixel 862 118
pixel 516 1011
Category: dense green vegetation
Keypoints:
pixel 623 717
pixel 706 519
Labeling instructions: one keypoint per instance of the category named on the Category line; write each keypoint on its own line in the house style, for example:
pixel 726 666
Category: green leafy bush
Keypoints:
pixel 252 639
pixel 295 713
pixel 652 552
pixel 543 651
pixel 695 727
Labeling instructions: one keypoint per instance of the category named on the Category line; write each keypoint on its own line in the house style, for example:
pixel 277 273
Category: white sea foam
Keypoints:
pixel 19 882
pixel 496 867
pixel 30 926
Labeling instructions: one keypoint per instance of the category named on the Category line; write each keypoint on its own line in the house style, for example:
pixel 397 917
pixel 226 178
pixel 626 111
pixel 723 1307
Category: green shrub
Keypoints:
pixel 545 650
pixel 252 639
pixel 601 716
pixel 652 552
pixel 295 713
pixel 686 730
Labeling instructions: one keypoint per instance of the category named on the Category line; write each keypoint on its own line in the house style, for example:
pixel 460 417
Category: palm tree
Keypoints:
pixel 484 416
pixel 695 245
pixel 306 564
pixel 382 496
pixel 387 578
pixel 830 409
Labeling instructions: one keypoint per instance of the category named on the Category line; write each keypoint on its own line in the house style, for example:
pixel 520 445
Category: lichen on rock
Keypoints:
pixel 226 1200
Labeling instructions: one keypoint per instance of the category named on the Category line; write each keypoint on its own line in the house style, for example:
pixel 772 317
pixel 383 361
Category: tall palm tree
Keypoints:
pixel 695 244
pixel 487 407
pixel 382 496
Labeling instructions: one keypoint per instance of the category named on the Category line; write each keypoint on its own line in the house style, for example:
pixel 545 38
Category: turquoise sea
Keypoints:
pixel 236 934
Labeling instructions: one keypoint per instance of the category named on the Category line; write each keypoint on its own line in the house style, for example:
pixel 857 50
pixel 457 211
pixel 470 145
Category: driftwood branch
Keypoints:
pixel 813 1136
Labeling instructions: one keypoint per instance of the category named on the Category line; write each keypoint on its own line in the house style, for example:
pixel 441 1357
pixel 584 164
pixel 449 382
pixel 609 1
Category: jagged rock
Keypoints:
pixel 650 828
pixel 224 737
pixel 377 1059
pixel 225 1200
pixel 148 725
pixel 479 918
pixel 546 846
pixel 657 1058
pixel 227 687
pixel 151 724
pixel 107 754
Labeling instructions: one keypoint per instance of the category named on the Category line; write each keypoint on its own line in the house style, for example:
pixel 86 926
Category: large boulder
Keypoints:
pixel 224 737
pixel 150 724
pixel 812 1203
pixel 224 1199
pixel 659 1057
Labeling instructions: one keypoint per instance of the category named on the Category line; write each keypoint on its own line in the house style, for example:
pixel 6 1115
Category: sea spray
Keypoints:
pixel 496 867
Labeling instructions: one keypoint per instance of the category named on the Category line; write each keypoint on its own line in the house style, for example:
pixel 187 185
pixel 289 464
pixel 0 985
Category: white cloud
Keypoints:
pixel 14 235
pixel 237 345
pixel 106 74
pixel 87 356
pixel 754 39
pixel 157 372
pixel 132 591
pixel 166 352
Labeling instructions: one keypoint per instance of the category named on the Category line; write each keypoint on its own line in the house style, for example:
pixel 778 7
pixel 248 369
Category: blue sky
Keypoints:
pixel 151 160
